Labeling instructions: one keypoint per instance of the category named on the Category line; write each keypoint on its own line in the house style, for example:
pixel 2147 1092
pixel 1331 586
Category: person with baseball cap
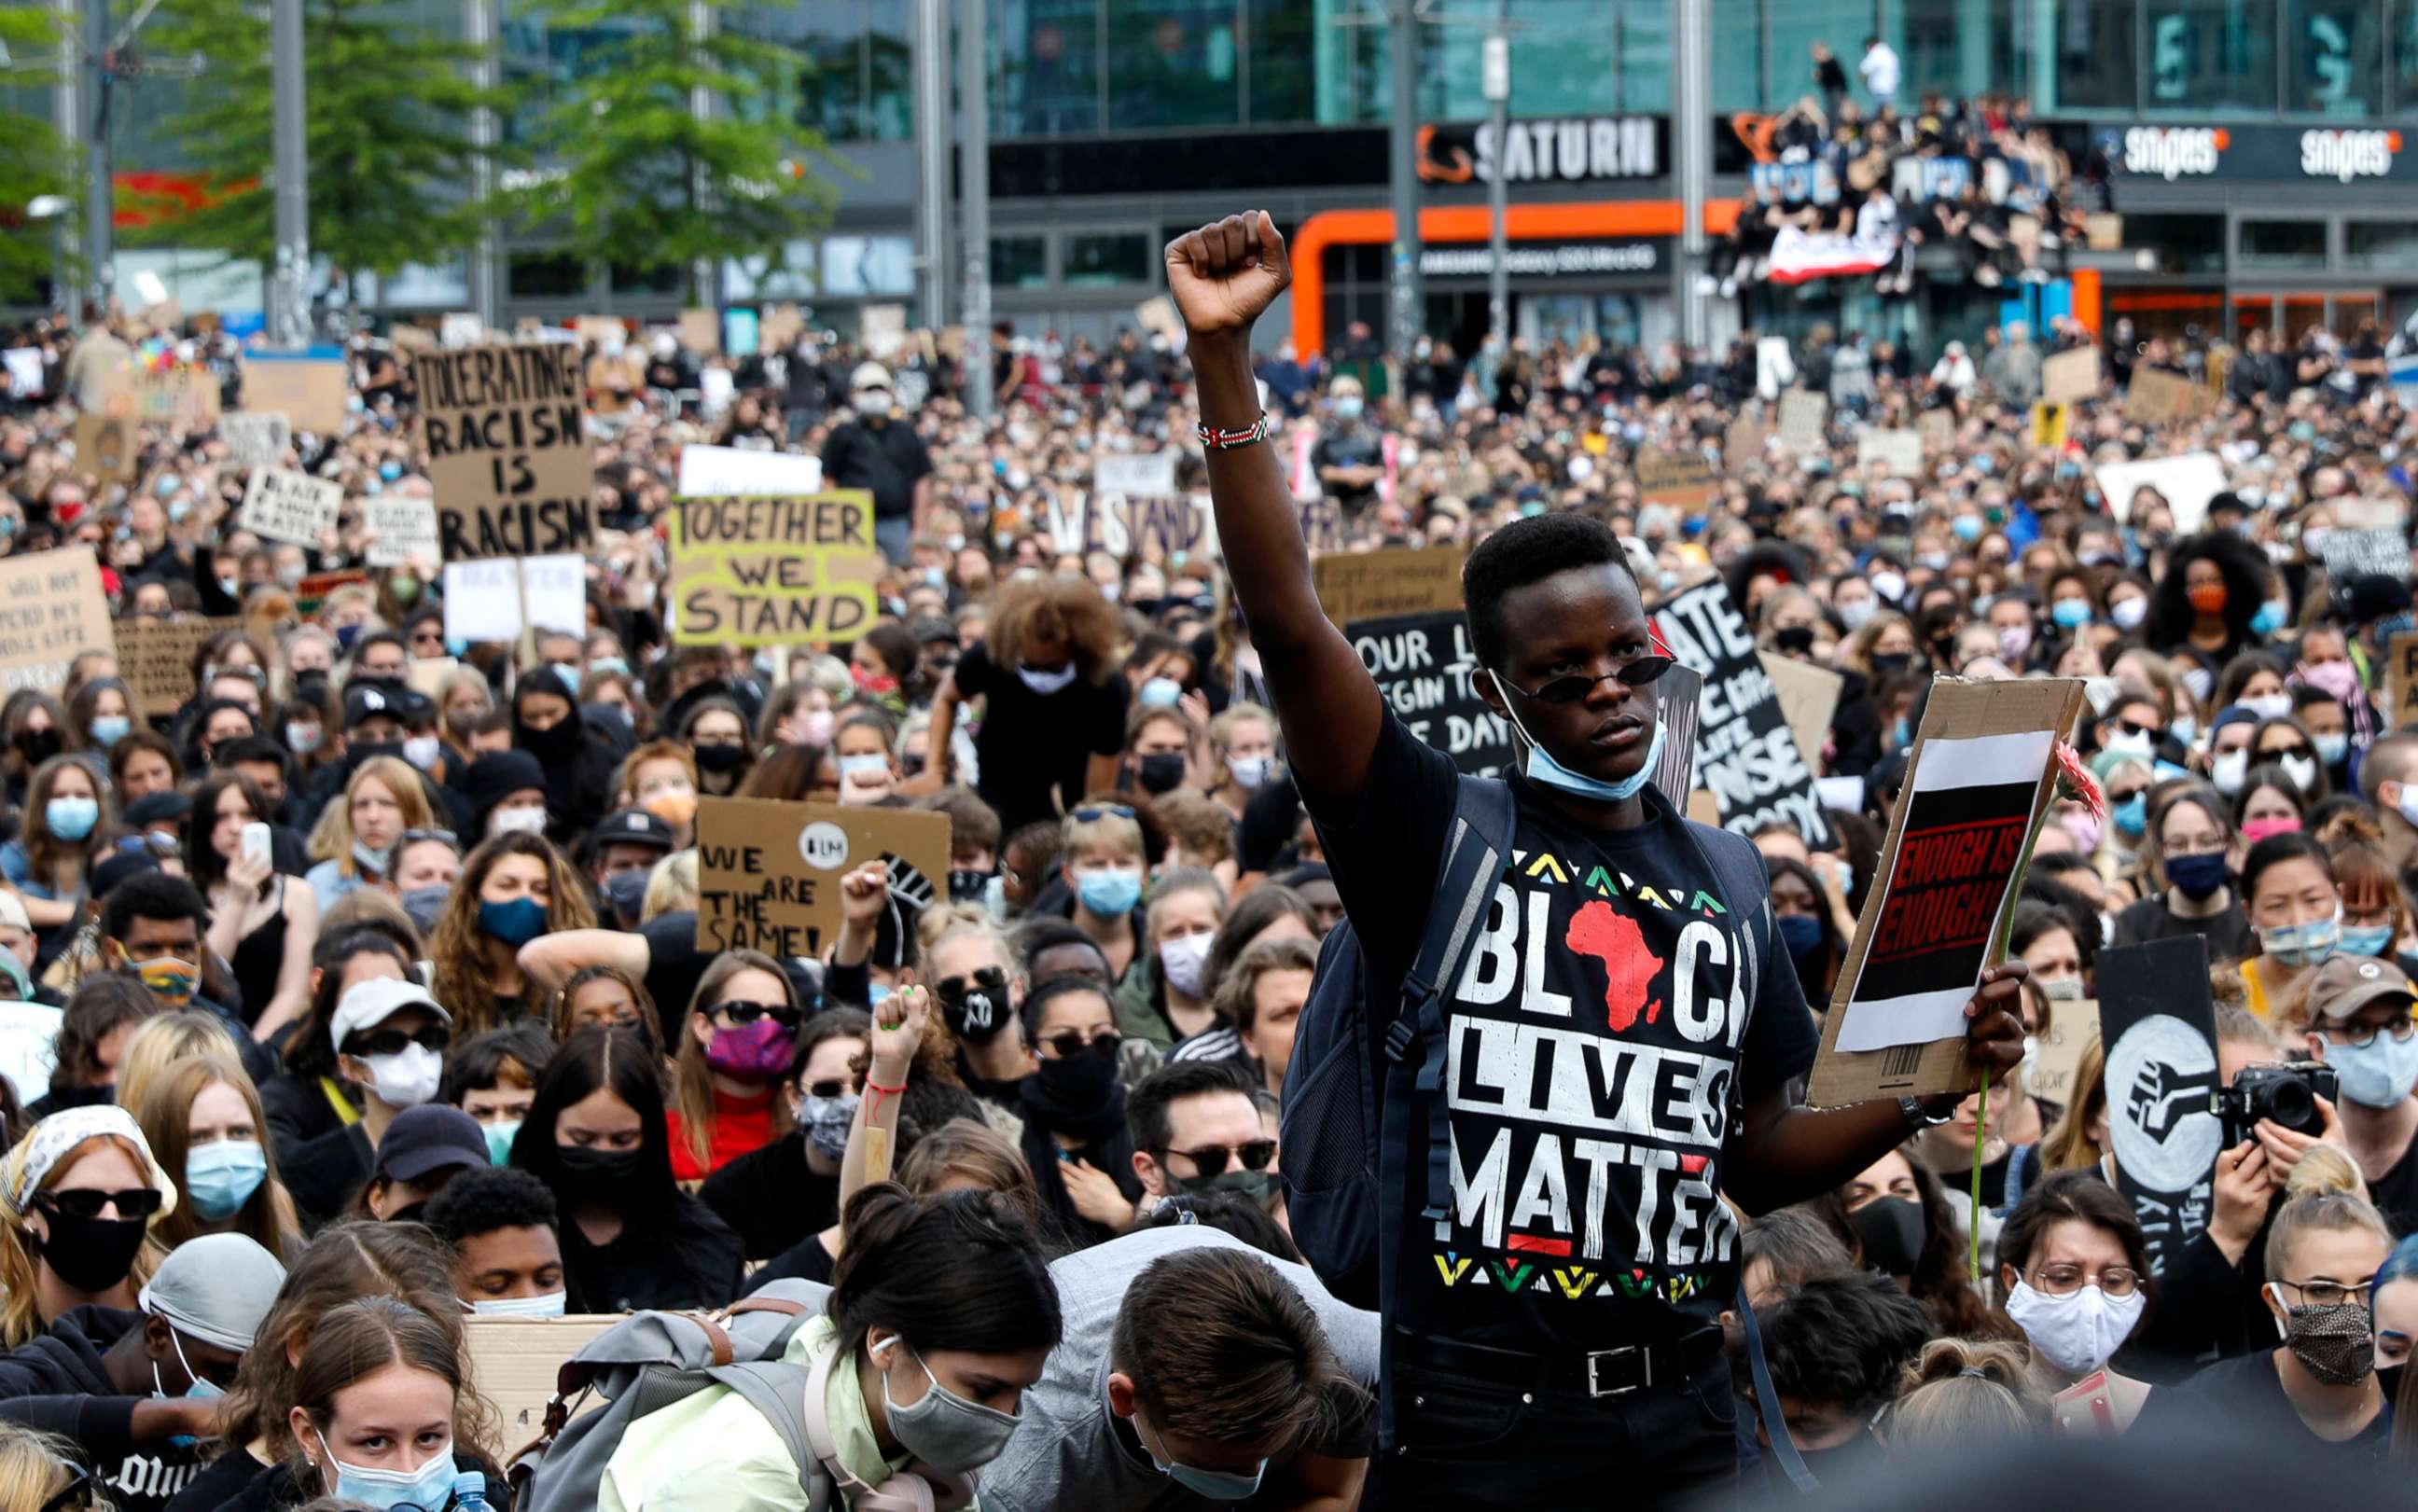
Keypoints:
pixel 622 854
pixel 880 451
pixel 2362 1019
pixel 391 1039
pixel 424 1147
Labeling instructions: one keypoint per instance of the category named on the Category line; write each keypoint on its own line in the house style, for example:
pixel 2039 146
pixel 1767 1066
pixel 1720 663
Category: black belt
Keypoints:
pixel 1594 1373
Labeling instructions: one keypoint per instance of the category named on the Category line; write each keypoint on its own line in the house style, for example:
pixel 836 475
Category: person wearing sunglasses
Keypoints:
pixel 788 1190
pixel 46 1473
pixel 735 1048
pixel 391 1039
pixel 1196 1128
pixel 1565 978
pixel 1074 1108
pixel 78 1193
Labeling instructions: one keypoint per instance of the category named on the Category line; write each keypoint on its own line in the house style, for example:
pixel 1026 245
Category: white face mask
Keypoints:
pixel 406 1079
pixel 525 820
pixel 2302 769
pixel 1249 772
pixel 421 751
pixel 2078 1332
pixel 548 1304
pixel 2269 705
pixel 2127 614
pixel 1184 960
pixel 2228 770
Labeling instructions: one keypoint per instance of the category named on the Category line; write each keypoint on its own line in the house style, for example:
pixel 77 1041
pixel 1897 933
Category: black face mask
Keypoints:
pixel 968 885
pixel 1160 774
pixel 1889 1230
pixel 37 746
pixel 591 1173
pixel 89 1253
pixel 412 1212
pixel 721 760
pixel 1797 640
pixel 976 1007
pixel 1889 664
pixel 560 738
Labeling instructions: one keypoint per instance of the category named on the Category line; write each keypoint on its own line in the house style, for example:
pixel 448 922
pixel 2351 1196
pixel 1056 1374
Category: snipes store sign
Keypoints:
pixel 2184 153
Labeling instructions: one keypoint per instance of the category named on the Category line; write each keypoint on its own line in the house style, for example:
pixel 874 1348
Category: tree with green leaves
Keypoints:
pixel 636 176
pixel 388 107
pixel 33 159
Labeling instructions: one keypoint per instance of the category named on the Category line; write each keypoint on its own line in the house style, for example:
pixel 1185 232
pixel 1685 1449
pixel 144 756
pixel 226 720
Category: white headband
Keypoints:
pixel 63 1131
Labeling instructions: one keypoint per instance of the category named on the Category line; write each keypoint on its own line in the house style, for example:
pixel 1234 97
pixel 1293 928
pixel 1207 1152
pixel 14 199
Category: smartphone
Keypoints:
pixel 255 843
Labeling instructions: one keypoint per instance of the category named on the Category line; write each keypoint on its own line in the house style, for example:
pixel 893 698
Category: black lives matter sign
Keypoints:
pixel 1746 756
pixel 506 430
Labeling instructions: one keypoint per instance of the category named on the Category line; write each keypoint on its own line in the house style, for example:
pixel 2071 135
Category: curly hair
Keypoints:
pixel 1061 608
pixel 464 982
pixel 485 1199
pixel 2246 575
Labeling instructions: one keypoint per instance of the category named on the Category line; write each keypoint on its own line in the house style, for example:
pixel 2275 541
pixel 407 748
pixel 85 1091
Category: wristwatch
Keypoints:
pixel 1919 1117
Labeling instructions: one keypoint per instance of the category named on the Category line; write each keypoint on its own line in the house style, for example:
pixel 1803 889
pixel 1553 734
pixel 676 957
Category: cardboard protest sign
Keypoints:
pixel 1134 474
pixel 772 572
pixel 2160 1028
pixel 734 472
pixel 461 328
pixel 255 439
pixel 285 505
pixel 29 1033
pixel 1354 585
pixel 2186 483
pixel 1938 429
pixel 1152 529
pixel 768 873
pixel 404 526
pixel 604 332
pixel 515 1363
pixel 1982 774
pixel 176 396
pixel 780 328
pixel 314 590
pixel 700 331
pixel 1157 313
pixel 309 391
pixel 1746 756
pixel 1809 699
pixel 1680 697
pixel 1425 668
pixel 108 448
pixel 2349 554
pixel 2071 377
pixel 2071 1025
pixel 1898 454
pixel 1802 414
pixel 427 674
pixel 508 451
pixel 491 601
pixel 1742 444
pixel 2049 425
pixel 2160 398
pixel 156 658
pixel 1679 476
pixel 2401 681
pixel 51 608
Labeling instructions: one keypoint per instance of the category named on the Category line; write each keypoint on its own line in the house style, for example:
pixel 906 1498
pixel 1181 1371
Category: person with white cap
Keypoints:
pixel 878 450
pixel 391 1039
pixel 77 1193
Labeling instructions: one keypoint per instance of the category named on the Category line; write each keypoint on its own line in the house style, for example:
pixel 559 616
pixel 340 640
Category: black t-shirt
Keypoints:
pixel 886 458
pixel 1034 746
pixel 771 1198
pixel 674 967
pixel 1271 818
pixel 2243 1399
pixel 2228 932
pixel 685 1258
pixel 1600 1047
pixel 2395 1192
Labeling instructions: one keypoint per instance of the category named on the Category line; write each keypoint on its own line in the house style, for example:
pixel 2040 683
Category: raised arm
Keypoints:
pixel 898 1026
pixel 1222 277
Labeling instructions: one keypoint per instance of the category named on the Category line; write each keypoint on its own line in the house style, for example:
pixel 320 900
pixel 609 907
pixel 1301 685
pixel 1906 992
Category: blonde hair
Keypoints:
pixel 35 1467
pixel 957 921
pixel 671 887
pixel 21 1316
pixel 2318 1207
pixel 1109 832
pixel 1221 729
pixel 2067 1145
pixel 332 839
pixel 158 1046
pixel 2325 1170
pixel 1962 1389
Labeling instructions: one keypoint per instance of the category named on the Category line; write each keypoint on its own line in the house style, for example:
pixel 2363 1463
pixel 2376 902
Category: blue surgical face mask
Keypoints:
pixel 429 1488
pixel 110 729
pixel 1347 407
pixel 1212 1485
pixel 1108 891
pixel 870 767
pixel 71 818
pixel 2269 619
pixel 1160 693
pixel 2133 815
pixel 515 922
pixel 2303 945
pixel 1542 769
pixel 2071 613
pixel 2362 940
pixel 2331 748
pixel 221 1176
pixel 2378 1074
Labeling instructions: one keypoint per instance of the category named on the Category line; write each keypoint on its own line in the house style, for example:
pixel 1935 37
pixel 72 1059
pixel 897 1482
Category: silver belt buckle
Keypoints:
pixel 1595 1361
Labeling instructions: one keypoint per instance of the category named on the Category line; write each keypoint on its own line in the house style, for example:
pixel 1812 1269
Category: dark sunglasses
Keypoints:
pixel 78 1493
pixel 1254 1153
pixel 2279 753
pixel 741 1015
pixel 86 1201
pixel 1093 813
pixel 954 988
pixel 1070 1042
pixel 2131 728
pixel 1639 672
pixel 830 1089
pixel 436 1037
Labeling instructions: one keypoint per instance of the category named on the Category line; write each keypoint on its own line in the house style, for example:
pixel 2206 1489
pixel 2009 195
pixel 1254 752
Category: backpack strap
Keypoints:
pixel 919 1488
pixel 1767 1402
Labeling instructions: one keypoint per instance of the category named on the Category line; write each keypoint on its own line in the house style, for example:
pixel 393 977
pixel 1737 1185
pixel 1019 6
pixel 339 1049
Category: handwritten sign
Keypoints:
pixel 1134 475
pixel 1939 432
pixel 772 572
pixel 290 506
pixel 1742 444
pixel 507 450
pixel 2186 483
pixel 768 873
pixel 108 448
pixel 254 439
pixel 2159 398
pixel 491 601
pixel 1802 414
pixel 1382 585
pixel 404 525
pixel 176 396
pixel 1425 670
pixel 156 658
pixel 2071 377
pixel 1677 475
pixel 1898 454
pixel 1151 530
pixel 51 608
pixel 2401 681
pixel 309 391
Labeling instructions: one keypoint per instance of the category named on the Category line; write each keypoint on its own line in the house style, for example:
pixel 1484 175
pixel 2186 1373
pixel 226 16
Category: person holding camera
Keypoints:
pixel 2358 1020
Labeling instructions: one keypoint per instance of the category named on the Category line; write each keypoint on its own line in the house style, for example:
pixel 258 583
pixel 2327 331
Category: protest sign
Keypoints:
pixel 405 526
pixel 29 1033
pixel 700 331
pixel 462 328
pixel 1383 585
pixel 604 332
pixel 1802 414
pixel 2160 398
pixel 1677 475
pixel 1898 454
pixel 1321 523
pixel 313 591
pixel 1746 756
pixel 25 366
pixel 1134 474
pixel 2049 425
pixel 285 505
pixel 309 391
pixel 1152 529
pixel 2401 681
pixel 2071 1025
pixel 156 658
pixel 491 601
pixel 507 450
pixel 772 572
pixel 109 447
pixel 780 328
pixel 1423 668
pixel 1742 444
pixel 1939 432
pixel 51 608
pixel 2186 483
pixel 768 873
pixel 515 1363
pixel 883 328
pixel 2158 1025
pixel 1680 697
pixel 1809 699
pixel 733 472
pixel 1157 313
pixel 1982 774
pixel 2349 554
pixel 427 674
pixel 2071 377
pixel 177 396
pixel 255 439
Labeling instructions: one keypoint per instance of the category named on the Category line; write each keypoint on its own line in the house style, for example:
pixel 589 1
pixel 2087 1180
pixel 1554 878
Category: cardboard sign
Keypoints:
pixel 1809 700
pixel 1938 429
pixel 255 439
pixel 768 873
pixel 2049 425
pixel 772 572
pixel 515 1363
pixel 1134 474
pixel 51 608
pixel 1152 529
pixel 1681 476
pixel 156 658
pixel 29 1033
pixel 883 328
pixel 404 525
pixel 309 391
pixel 1384 584
pixel 290 506
pixel 1680 697
pixel 2069 1030
pixel 734 472
pixel 108 448
pixel 1742 444
pixel 700 331
pixel 2071 377
pixel 177 396
pixel 1898 454
pixel 2160 398
pixel 1982 774
pixel 2160 1028
pixel 314 590
pixel 604 332
pixel 780 327
pixel 1158 315
pixel 508 451
pixel 2187 483
pixel 1423 668
pixel 491 601
pixel 2349 554
pixel 2401 681
pixel 1746 756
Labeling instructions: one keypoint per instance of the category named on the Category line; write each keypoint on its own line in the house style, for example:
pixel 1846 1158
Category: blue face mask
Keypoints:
pixel 2133 815
pixel 1160 693
pixel 1542 769
pixel 1109 893
pixel 110 729
pixel 2378 1074
pixel 2197 878
pixel 515 923
pixel 2295 946
pixel 1802 933
pixel 1212 1485
pixel 221 1176
pixel 870 767
pixel 1967 526
pixel 2362 940
pixel 2071 613
pixel 71 818
pixel 2331 748
pixel 429 1488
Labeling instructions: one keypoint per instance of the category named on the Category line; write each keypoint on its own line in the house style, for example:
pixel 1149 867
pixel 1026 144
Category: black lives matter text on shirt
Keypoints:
pixel 1746 756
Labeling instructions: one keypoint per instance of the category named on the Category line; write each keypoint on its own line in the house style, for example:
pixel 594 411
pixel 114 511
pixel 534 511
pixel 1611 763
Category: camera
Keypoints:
pixel 2286 1091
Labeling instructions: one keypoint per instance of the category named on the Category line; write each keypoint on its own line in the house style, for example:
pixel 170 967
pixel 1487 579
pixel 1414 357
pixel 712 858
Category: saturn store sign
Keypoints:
pixel 1585 149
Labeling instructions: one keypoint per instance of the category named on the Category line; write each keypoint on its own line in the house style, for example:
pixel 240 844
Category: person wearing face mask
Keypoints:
pixel 1101 860
pixel 2202 609
pixel 2358 1019
pixel 735 1048
pixel 2228 759
pixel 78 1193
pixel 507 792
pixel 2074 1275
pixel 2313 1396
pixel 375 1397
pixel 1076 1137
pixel 622 856
pixel 978 985
pixel 2288 892
pixel 1895 1219
pixel 1196 1128
pixel 1350 455
pixel 596 1135
pixel 717 734
pixel 1835 1346
pixel 203 1118
pixel 577 763
pixel 879 451
pixel 1801 911
pixel 2193 848
pixel 1164 998
pixel 67 817
pixel 940 1317
pixel 789 1189
pixel 2283 743
pixel 503 1229
pixel 139 1389
pixel 515 888
pixel 151 930
pixel 1159 752
pixel 1243 748
pixel 391 1039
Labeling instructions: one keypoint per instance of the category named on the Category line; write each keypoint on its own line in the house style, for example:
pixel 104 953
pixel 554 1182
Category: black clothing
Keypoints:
pixel 1108 1147
pixel 1034 746
pixel 2228 932
pixel 227 1482
pixel 1353 446
pixel 683 1258
pixel 888 458
pixel 2245 1399
pixel 66 1097
pixel 771 1198
pixel 806 1261
pixel 58 1382
pixel 260 956
pixel 324 1176
pixel 674 967
pixel 298 1110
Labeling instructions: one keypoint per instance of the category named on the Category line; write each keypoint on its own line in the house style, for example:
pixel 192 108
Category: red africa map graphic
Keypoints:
pixel 1628 966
